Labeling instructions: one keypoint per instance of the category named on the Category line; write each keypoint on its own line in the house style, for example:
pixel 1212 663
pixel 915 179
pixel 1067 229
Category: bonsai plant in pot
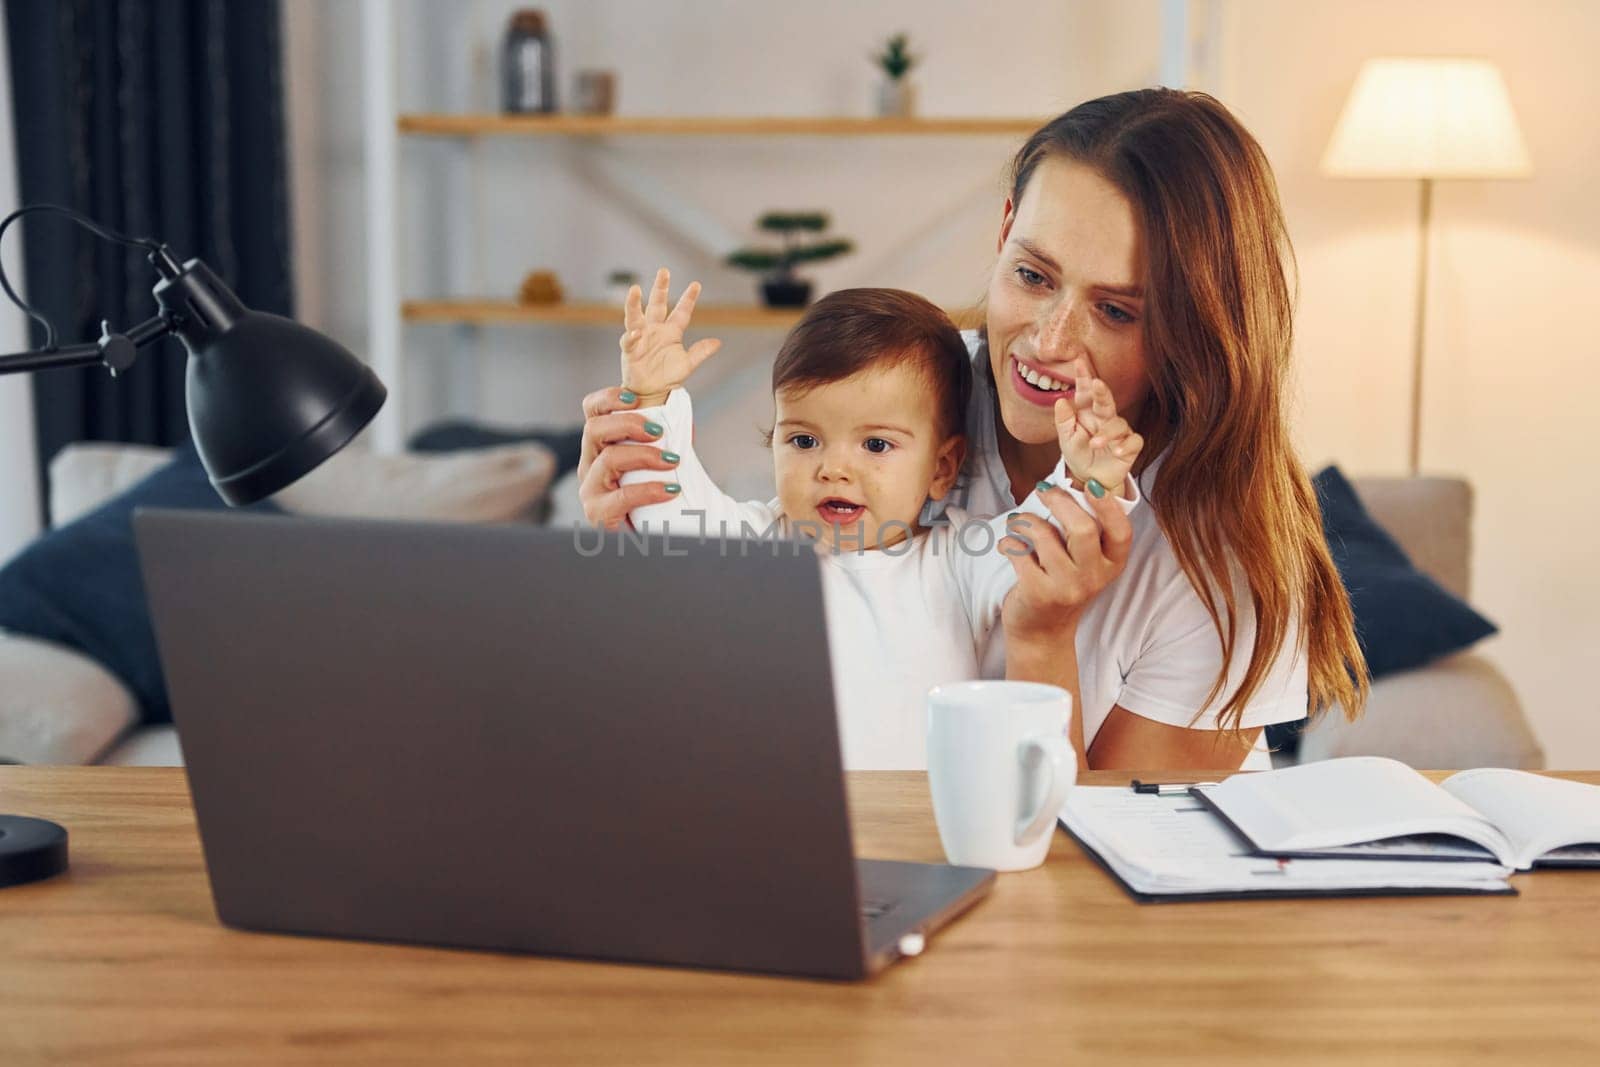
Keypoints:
pixel 782 288
pixel 897 98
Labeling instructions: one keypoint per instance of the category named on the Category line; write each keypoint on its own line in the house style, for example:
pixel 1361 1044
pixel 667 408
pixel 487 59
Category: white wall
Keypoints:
pixel 322 83
pixel 19 489
pixel 1512 361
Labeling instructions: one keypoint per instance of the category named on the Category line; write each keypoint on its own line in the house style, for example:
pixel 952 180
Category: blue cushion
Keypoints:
pixel 1404 618
pixel 80 586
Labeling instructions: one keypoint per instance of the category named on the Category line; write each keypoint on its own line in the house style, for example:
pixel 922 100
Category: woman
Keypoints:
pixel 1142 243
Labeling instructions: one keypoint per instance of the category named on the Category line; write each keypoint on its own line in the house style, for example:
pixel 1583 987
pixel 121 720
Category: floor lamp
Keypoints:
pixel 1426 119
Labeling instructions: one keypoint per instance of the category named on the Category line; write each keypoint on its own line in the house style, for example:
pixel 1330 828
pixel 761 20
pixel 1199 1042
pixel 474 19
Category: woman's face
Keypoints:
pixel 1065 300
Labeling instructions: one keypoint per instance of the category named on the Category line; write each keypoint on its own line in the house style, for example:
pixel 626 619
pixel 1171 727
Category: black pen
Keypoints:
pixel 1176 789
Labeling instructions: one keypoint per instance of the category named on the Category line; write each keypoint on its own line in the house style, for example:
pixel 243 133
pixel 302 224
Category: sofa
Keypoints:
pixel 58 705
pixel 1458 711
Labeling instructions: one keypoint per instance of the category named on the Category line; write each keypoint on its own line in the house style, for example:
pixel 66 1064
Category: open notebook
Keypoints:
pixel 1173 848
pixel 1369 807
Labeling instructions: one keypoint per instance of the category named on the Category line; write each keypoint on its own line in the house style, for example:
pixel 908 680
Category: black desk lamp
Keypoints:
pixel 268 399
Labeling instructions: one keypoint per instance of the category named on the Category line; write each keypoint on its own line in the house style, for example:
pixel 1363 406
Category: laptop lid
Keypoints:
pixel 510 737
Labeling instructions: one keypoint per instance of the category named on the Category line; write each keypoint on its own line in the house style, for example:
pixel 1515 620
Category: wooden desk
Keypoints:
pixel 123 960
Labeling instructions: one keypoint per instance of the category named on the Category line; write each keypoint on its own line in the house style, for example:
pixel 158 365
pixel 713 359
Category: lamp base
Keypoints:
pixel 30 850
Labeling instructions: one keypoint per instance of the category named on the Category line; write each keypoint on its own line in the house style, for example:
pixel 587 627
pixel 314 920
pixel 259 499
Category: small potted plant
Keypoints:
pixel 782 288
pixel 897 97
pixel 618 282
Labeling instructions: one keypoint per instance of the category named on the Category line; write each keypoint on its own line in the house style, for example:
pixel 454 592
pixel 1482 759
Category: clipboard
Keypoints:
pixel 1273 894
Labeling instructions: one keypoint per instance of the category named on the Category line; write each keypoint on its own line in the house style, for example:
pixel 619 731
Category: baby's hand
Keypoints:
pixel 654 361
pixel 1096 442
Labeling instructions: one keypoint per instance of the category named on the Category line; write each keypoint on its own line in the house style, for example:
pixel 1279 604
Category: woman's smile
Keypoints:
pixel 1035 386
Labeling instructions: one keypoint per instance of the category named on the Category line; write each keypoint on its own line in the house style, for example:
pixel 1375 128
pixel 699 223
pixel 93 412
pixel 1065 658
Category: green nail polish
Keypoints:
pixel 674 488
pixel 1042 486
pixel 670 457
pixel 1096 490
pixel 627 396
pixel 653 429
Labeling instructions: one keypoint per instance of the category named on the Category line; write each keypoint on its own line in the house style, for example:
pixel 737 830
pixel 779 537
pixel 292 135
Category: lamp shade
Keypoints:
pixel 1427 118
pixel 269 399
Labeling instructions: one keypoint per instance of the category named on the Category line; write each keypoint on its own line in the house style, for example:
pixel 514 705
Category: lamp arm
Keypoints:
pixel 115 350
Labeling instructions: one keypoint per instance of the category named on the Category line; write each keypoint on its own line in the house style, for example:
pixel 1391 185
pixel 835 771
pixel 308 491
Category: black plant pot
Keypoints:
pixel 786 292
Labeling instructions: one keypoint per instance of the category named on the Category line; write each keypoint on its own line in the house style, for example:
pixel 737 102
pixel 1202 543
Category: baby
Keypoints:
pixel 871 391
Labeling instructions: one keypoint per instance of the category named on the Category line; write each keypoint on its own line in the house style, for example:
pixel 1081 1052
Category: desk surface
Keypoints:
pixel 123 960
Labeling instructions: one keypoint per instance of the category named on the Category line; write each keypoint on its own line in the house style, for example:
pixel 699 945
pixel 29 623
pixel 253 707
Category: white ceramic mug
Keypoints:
pixel 999 767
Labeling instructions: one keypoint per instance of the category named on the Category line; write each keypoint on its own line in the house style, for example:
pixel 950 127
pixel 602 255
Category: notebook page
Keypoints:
pixel 1347 801
pixel 1536 813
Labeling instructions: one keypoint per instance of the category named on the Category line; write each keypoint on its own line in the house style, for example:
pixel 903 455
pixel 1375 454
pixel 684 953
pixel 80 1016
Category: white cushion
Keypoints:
pixel 86 474
pixel 150 746
pixel 57 705
pixel 565 508
pixel 499 484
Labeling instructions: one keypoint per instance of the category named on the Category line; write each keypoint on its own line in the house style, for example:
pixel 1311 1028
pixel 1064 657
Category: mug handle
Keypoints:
pixel 1058 753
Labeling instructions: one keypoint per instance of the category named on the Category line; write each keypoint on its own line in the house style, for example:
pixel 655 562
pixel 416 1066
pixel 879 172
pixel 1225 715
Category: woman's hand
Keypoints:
pixel 610 436
pixel 1058 575
pixel 1059 572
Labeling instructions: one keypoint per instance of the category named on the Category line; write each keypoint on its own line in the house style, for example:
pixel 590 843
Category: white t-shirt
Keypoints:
pixel 901 619
pixel 1146 642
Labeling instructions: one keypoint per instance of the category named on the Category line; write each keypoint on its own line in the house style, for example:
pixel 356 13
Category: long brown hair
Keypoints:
pixel 1218 323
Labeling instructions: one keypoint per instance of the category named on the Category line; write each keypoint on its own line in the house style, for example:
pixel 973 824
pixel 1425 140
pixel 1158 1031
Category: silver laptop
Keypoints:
pixel 521 739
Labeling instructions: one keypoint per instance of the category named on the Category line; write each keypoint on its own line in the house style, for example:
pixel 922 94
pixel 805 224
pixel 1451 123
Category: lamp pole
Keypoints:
pixel 1424 230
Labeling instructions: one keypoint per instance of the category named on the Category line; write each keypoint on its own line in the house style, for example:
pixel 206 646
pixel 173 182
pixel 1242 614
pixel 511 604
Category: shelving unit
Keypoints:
pixel 1189 32
pixel 436 125
pixel 390 313
pixel 506 313
pixel 511 313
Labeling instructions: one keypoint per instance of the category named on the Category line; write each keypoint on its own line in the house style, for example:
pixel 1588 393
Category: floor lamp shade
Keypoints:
pixel 1427 118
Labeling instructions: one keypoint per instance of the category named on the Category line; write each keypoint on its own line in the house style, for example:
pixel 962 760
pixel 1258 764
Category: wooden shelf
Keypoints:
pixel 509 312
pixel 445 125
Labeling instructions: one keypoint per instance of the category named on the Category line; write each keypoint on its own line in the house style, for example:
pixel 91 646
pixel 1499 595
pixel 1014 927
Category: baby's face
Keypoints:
pixel 855 459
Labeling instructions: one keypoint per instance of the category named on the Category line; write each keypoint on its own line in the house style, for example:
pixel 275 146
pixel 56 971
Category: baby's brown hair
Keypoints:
pixel 853 330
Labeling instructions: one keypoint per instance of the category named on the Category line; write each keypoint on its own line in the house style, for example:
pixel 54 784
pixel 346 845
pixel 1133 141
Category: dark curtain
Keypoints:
pixel 158 118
